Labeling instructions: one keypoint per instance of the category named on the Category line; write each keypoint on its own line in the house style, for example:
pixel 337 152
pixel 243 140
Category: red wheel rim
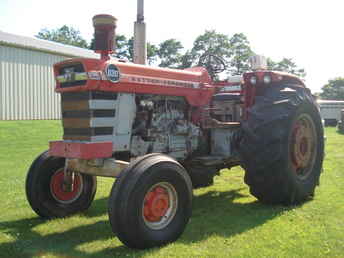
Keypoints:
pixel 56 187
pixel 159 205
pixel 303 145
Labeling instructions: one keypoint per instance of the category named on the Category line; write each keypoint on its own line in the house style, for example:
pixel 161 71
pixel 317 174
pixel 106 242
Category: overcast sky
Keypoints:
pixel 310 32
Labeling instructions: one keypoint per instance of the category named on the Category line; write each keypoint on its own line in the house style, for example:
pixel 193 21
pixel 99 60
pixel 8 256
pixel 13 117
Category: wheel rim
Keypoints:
pixel 303 146
pixel 56 188
pixel 159 205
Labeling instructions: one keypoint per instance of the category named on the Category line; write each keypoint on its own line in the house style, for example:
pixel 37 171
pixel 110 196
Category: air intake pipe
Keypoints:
pixel 104 34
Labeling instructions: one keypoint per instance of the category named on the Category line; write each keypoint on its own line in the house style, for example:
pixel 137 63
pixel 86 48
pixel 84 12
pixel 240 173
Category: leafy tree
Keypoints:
pixel 286 65
pixel 122 49
pixel 152 53
pixel 240 53
pixel 210 42
pixel 235 51
pixel 169 53
pixel 186 60
pixel 334 89
pixel 65 35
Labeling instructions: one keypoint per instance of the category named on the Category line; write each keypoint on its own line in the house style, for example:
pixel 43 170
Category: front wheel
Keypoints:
pixel 45 193
pixel 150 204
pixel 282 146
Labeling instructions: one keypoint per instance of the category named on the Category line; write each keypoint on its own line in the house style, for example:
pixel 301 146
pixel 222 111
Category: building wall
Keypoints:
pixel 27 84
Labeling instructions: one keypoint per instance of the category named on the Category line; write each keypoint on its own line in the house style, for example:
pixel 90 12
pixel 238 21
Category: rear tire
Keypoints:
pixel 44 188
pixel 282 146
pixel 201 176
pixel 150 204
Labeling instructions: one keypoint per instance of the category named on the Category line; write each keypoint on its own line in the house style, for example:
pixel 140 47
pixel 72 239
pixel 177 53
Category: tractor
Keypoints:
pixel 163 132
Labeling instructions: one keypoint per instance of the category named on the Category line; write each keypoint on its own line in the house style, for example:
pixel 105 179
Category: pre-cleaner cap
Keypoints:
pixel 104 32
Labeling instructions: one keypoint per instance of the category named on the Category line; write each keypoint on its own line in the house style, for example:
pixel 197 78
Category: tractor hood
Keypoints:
pixel 115 76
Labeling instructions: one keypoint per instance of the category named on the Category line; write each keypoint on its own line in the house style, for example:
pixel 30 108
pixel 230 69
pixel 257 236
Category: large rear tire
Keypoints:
pixel 150 204
pixel 44 190
pixel 201 176
pixel 282 146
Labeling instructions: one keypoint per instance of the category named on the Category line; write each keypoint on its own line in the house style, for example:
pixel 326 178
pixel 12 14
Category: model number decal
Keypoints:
pixel 161 82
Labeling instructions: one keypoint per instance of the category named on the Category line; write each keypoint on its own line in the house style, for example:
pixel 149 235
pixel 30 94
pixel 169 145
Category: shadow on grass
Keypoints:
pixel 99 207
pixel 222 214
pixel 217 213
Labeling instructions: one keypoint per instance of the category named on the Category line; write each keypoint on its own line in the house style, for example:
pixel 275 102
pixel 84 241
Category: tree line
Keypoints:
pixel 235 50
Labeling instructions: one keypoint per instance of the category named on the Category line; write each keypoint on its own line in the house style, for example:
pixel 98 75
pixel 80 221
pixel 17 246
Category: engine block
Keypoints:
pixel 163 125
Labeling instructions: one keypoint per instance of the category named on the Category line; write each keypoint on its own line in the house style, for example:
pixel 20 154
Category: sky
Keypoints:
pixel 309 32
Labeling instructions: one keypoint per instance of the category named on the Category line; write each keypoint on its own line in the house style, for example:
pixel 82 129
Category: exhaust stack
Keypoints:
pixel 104 34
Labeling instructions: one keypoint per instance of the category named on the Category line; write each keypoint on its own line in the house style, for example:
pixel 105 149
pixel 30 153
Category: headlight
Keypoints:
pixel 253 80
pixel 267 79
pixel 70 75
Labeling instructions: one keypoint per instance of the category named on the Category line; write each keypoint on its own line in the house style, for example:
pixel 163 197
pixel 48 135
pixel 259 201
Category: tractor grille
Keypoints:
pixel 89 115
pixel 88 131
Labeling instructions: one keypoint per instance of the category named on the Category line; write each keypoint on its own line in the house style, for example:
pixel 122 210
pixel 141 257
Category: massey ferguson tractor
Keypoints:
pixel 162 132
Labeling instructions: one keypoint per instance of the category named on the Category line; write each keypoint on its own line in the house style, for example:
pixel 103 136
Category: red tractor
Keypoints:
pixel 162 132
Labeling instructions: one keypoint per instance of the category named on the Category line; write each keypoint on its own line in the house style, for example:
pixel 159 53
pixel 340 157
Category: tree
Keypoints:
pixel 240 53
pixel 286 65
pixel 169 53
pixel 122 48
pixel 65 35
pixel 186 60
pixel 235 51
pixel 151 51
pixel 334 89
pixel 210 42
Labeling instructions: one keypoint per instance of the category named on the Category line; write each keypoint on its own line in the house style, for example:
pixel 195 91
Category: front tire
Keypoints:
pixel 282 146
pixel 44 190
pixel 150 204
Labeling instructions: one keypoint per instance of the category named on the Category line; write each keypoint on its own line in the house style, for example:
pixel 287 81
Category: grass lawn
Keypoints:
pixel 226 222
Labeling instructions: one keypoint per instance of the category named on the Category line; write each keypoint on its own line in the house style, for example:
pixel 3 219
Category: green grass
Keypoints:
pixel 226 222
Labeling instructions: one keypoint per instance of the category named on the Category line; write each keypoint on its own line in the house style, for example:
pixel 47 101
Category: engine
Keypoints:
pixel 162 124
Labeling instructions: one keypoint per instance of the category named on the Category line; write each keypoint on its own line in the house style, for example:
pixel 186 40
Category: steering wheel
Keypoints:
pixel 212 63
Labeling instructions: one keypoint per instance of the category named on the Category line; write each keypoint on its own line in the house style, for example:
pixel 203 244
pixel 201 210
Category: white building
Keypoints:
pixel 26 76
pixel 330 111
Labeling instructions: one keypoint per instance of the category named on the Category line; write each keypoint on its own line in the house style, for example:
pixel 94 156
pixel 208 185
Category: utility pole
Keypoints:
pixel 140 46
